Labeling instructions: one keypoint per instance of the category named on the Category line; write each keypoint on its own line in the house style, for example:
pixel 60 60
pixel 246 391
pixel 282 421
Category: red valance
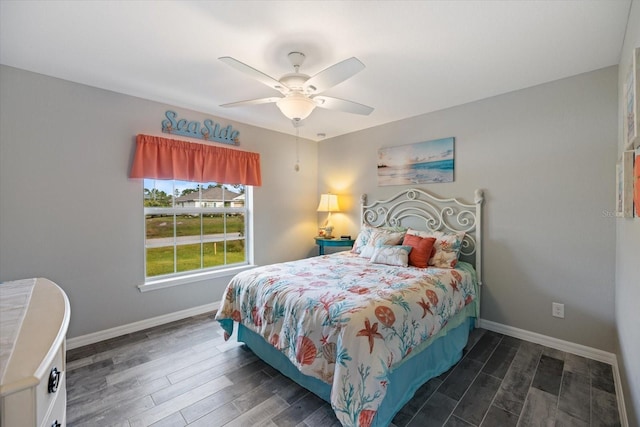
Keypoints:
pixel 163 158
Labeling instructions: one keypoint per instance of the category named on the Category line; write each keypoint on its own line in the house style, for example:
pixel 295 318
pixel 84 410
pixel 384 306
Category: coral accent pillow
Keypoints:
pixel 447 247
pixel 423 248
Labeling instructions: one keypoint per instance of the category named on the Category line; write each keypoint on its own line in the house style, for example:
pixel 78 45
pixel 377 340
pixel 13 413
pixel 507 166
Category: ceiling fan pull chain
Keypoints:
pixel 297 166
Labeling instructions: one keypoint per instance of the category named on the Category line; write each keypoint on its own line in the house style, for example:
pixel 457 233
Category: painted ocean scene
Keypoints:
pixel 421 163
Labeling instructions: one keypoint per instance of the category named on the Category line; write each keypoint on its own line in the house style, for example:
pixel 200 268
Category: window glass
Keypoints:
pixel 193 226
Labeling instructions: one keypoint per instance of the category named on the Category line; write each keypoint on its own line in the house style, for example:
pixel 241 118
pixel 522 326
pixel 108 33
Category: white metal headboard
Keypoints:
pixel 422 211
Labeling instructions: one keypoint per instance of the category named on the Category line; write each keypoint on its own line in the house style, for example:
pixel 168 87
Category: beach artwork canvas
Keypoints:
pixel 421 163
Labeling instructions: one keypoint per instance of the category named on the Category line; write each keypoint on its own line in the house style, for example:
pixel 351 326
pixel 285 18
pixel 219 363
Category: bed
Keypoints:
pixel 364 329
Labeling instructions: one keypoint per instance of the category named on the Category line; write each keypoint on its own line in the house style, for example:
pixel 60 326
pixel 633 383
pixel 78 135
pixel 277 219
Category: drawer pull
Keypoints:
pixel 56 424
pixel 54 380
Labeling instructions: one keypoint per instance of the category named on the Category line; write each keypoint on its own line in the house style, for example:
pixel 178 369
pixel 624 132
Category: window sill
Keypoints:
pixel 169 282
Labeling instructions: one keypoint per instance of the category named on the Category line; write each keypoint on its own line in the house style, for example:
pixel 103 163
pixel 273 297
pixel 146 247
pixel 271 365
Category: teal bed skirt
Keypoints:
pixel 435 356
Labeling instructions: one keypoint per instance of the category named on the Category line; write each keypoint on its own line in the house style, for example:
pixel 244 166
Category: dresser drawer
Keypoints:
pixel 57 415
pixel 51 386
pixel 36 406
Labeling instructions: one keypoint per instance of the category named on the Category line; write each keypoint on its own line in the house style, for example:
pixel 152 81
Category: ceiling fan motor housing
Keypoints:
pixel 294 81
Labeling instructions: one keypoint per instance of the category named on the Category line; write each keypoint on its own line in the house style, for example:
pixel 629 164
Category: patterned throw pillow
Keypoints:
pixel 422 249
pixel 362 239
pixel 447 246
pixel 381 237
pixel 365 235
pixel 392 255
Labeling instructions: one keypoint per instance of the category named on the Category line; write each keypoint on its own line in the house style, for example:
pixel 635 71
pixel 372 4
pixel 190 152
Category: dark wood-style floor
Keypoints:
pixel 184 373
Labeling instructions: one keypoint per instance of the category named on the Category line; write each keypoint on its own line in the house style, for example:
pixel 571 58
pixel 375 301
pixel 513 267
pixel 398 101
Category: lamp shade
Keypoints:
pixel 328 203
pixel 296 106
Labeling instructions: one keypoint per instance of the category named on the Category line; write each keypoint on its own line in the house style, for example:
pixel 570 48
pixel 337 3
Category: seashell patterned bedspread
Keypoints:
pixel 347 321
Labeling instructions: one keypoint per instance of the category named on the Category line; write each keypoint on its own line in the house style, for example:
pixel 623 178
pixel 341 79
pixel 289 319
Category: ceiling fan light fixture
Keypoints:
pixel 296 106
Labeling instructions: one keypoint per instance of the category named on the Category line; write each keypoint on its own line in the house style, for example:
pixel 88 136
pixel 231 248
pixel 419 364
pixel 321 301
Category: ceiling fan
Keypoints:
pixel 301 93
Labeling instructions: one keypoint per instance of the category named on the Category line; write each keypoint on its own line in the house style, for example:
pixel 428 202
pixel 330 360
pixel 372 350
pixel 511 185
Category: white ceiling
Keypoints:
pixel 420 56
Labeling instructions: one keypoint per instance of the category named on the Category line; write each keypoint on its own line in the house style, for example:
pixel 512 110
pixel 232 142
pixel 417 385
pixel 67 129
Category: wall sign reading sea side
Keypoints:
pixel 421 163
pixel 207 130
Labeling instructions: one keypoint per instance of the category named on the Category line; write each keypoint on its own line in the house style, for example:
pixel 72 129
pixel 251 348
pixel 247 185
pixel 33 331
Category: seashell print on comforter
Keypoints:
pixel 347 321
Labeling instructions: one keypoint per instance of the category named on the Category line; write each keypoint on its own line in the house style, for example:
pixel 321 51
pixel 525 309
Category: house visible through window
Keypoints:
pixel 191 227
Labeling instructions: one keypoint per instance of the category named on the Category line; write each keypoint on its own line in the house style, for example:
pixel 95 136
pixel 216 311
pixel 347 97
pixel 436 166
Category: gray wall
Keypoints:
pixel 628 257
pixel 69 212
pixel 546 158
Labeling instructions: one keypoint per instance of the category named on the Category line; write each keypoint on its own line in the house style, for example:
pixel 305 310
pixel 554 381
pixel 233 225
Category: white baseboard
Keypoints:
pixel 569 347
pixel 558 344
pixel 95 337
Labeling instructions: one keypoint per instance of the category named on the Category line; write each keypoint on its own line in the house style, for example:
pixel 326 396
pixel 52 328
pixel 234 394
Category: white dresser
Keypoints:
pixel 34 317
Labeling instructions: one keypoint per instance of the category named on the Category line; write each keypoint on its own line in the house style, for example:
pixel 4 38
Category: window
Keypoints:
pixel 193 227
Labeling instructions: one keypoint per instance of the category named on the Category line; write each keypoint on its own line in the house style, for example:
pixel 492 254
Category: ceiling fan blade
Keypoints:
pixel 252 72
pixel 252 102
pixel 331 103
pixel 337 73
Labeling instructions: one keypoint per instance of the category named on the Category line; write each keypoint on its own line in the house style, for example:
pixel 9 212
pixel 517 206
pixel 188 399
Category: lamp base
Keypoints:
pixel 325 232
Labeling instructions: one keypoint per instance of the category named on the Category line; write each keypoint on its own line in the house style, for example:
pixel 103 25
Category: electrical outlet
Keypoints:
pixel 557 310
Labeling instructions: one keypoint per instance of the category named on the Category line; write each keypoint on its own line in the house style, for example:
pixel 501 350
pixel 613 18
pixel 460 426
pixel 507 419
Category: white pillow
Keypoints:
pixel 379 238
pixel 391 255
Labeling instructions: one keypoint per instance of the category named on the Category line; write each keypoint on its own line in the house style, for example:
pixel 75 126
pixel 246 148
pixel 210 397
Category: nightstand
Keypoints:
pixel 325 243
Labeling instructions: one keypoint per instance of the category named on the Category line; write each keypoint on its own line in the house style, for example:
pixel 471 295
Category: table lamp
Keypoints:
pixel 328 203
